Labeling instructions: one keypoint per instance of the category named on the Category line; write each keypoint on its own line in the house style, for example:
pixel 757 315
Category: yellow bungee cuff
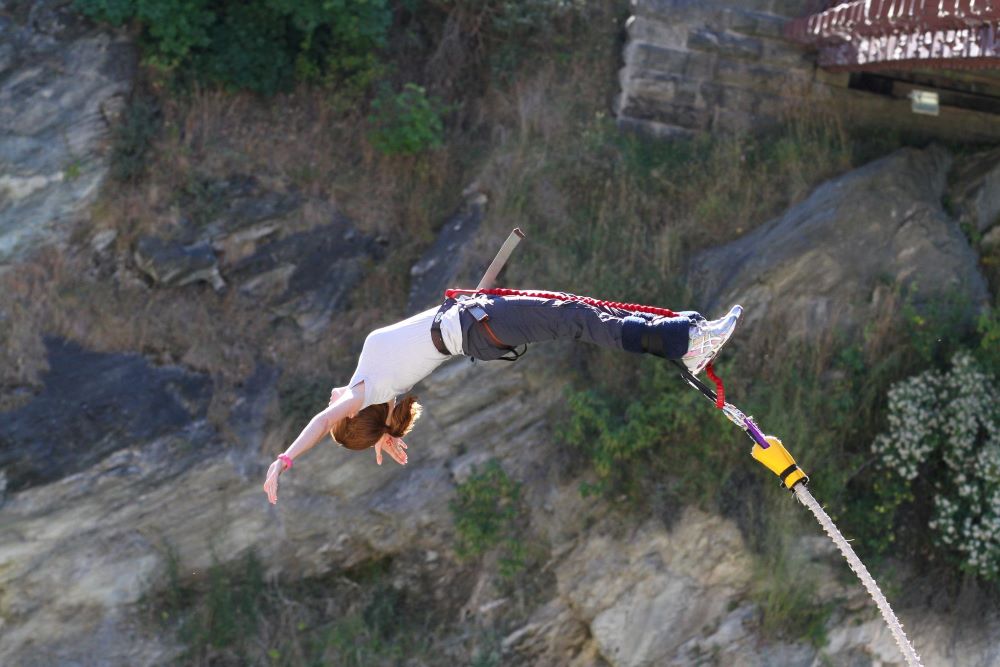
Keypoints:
pixel 777 459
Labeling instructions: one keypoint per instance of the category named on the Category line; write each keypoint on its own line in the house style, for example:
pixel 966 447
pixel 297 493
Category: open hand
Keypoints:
pixel 271 484
pixel 393 446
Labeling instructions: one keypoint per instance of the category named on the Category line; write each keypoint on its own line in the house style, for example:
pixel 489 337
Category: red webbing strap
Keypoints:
pixel 720 391
pixel 503 291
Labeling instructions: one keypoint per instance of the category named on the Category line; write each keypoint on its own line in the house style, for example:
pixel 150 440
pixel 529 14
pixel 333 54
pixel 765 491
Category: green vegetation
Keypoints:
pixel 266 46
pixel 73 170
pixel 489 512
pixel 667 431
pixel 926 486
pixel 406 124
pixel 942 448
pixel 511 30
pixel 379 633
pixel 219 615
pixel 989 260
pixel 231 615
pixel 988 351
pixel 260 45
pixel 133 137
pixel 300 399
pixel 789 612
pixel 787 602
pixel 626 441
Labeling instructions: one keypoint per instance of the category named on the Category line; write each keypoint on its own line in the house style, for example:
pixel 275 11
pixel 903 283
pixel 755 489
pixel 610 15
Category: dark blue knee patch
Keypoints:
pixel 674 334
pixel 632 328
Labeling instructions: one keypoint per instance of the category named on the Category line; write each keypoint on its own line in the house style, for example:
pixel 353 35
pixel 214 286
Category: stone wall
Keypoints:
pixel 693 65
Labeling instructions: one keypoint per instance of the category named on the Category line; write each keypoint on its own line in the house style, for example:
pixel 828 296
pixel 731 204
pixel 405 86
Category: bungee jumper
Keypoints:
pixel 487 325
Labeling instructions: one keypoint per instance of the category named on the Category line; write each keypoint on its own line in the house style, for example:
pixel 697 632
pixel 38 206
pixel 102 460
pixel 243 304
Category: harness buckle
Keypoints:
pixel 477 312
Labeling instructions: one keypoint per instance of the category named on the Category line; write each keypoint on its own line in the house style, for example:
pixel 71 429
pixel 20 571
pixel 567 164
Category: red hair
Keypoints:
pixel 367 427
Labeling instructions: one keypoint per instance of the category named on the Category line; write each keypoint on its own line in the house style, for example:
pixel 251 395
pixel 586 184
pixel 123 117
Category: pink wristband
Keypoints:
pixel 286 459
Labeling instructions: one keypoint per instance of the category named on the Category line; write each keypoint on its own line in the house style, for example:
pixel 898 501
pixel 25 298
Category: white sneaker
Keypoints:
pixel 707 338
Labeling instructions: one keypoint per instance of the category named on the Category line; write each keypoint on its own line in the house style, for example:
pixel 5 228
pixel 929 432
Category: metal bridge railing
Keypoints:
pixel 870 33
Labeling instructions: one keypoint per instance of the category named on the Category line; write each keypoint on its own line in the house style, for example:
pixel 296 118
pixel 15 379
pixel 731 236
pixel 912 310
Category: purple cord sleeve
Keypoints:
pixel 755 433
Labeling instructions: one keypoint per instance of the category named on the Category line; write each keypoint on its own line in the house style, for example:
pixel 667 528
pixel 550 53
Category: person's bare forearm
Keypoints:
pixel 310 435
pixel 343 403
pixel 346 404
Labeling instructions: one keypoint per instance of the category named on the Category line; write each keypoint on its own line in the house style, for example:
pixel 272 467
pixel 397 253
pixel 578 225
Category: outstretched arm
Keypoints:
pixel 346 404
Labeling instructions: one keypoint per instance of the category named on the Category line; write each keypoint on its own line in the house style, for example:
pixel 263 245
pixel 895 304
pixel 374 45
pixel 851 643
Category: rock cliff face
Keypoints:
pixel 65 428
pixel 62 82
pixel 77 554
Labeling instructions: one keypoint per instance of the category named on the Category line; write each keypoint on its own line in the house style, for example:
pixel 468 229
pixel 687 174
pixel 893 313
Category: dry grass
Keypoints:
pixel 22 317
pixel 884 331
pixel 622 213
pixel 301 142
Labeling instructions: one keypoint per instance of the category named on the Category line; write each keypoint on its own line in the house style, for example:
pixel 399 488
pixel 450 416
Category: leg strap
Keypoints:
pixel 633 332
pixel 667 337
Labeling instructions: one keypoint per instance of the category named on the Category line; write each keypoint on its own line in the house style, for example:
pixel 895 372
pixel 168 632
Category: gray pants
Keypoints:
pixel 518 320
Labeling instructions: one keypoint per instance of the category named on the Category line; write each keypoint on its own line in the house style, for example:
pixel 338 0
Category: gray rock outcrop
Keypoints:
pixel 296 258
pixel 975 190
pixel 823 262
pixel 448 258
pixel 91 405
pixel 173 264
pixel 668 585
pixel 62 82
pixel 308 275
pixel 648 595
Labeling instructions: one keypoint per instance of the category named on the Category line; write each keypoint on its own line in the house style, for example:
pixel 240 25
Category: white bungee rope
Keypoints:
pixel 905 647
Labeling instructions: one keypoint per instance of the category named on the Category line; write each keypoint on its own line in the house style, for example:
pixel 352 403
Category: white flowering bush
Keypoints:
pixel 945 427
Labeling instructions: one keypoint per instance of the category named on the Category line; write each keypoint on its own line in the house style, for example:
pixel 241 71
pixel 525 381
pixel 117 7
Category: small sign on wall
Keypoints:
pixel 924 102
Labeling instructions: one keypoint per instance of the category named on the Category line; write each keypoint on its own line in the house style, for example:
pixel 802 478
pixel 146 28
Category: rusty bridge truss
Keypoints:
pixel 903 34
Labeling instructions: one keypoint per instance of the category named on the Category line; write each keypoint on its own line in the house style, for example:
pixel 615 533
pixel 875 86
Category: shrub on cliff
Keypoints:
pixel 406 124
pixel 489 512
pixel 944 428
pixel 507 32
pixel 259 45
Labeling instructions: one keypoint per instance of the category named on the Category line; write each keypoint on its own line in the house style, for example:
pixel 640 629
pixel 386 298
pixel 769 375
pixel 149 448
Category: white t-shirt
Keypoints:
pixel 396 357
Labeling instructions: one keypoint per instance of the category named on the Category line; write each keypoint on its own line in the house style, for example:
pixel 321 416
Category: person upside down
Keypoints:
pixel 365 413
